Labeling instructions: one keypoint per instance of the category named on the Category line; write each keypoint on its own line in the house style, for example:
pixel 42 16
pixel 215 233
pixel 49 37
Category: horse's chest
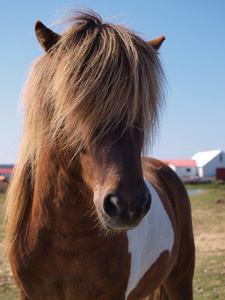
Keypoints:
pixel 79 267
pixel 90 266
pixel 148 242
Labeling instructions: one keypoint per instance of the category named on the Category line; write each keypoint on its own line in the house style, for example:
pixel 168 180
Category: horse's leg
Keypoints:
pixel 179 283
pixel 159 294
pixel 23 296
pixel 179 288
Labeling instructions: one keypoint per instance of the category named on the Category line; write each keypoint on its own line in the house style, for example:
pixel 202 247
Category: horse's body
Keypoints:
pixel 91 227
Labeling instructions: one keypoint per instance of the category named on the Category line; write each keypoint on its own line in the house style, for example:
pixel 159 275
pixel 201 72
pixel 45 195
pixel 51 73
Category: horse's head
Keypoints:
pixel 112 169
pixel 104 84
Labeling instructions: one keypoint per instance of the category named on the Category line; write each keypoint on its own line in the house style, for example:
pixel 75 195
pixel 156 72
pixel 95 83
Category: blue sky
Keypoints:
pixel 193 57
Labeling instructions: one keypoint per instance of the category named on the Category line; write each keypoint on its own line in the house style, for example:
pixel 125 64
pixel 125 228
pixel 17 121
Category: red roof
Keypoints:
pixel 6 170
pixel 180 162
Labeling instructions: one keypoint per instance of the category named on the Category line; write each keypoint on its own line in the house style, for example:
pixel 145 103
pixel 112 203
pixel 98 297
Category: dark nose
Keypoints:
pixel 126 213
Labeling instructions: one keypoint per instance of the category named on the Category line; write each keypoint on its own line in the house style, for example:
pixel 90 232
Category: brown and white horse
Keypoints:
pixel 88 218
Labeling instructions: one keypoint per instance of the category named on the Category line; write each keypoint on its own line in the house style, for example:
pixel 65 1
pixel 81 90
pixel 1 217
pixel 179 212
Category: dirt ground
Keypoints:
pixel 210 242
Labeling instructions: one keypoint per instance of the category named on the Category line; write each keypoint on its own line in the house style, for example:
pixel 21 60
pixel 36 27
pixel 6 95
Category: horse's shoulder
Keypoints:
pixel 168 185
pixel 156 167
pixel 159 173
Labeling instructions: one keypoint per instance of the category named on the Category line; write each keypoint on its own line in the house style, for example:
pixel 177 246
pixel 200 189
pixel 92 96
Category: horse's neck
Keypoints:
pixel 60 195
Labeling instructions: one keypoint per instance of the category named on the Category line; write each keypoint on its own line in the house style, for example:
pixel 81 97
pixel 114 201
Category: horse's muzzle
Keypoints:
pixel 122 213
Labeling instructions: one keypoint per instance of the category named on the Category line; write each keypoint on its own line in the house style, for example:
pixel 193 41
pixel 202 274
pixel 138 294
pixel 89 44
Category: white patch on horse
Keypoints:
pixel 146 242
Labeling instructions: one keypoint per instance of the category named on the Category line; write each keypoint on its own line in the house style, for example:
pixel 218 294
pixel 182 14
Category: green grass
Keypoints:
pixel 209 280
pixel 208 211
pixel 2 211
pixel 216 184
pixel 8 287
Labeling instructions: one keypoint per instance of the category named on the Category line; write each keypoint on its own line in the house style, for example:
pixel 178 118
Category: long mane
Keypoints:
pixel 97 75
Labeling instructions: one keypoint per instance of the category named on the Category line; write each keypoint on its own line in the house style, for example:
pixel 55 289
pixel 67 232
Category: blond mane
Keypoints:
pixel 97 75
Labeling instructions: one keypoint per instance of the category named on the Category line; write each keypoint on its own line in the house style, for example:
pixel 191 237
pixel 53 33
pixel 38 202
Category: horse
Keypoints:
pixel 88 216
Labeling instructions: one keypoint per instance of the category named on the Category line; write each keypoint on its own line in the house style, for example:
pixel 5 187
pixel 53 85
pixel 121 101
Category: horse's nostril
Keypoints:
pixel 110 205
pixel 120 209
pixel 147 203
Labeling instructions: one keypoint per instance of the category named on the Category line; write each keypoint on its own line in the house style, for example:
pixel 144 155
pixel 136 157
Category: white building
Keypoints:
pixel 185 168
pixel 210 162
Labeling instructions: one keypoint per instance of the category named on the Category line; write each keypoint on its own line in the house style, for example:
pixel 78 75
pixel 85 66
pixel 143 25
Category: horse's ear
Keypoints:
pixel 46 37
pixel 156 43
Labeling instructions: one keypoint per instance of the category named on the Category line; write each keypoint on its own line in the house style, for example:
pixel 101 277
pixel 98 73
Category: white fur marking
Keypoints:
pixel 146 242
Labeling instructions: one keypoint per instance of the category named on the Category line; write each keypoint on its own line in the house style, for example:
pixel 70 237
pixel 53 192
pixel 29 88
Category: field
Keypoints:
pixel 208 210
pixel 215 184
pixel 8 288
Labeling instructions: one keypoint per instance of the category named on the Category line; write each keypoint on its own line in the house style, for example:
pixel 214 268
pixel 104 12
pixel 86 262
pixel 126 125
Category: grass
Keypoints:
pixel 209 281
pixel 216 184
pixel 208 211
pixel 8 287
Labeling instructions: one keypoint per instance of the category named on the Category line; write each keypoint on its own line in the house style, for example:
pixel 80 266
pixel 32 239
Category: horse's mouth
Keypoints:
pixel 120 229
pixel 119 225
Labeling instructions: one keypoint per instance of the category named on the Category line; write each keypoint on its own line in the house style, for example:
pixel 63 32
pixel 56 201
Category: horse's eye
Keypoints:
pixel 83 150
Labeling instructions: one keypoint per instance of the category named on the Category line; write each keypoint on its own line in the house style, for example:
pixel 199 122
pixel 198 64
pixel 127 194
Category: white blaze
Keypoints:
pixel 146 242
